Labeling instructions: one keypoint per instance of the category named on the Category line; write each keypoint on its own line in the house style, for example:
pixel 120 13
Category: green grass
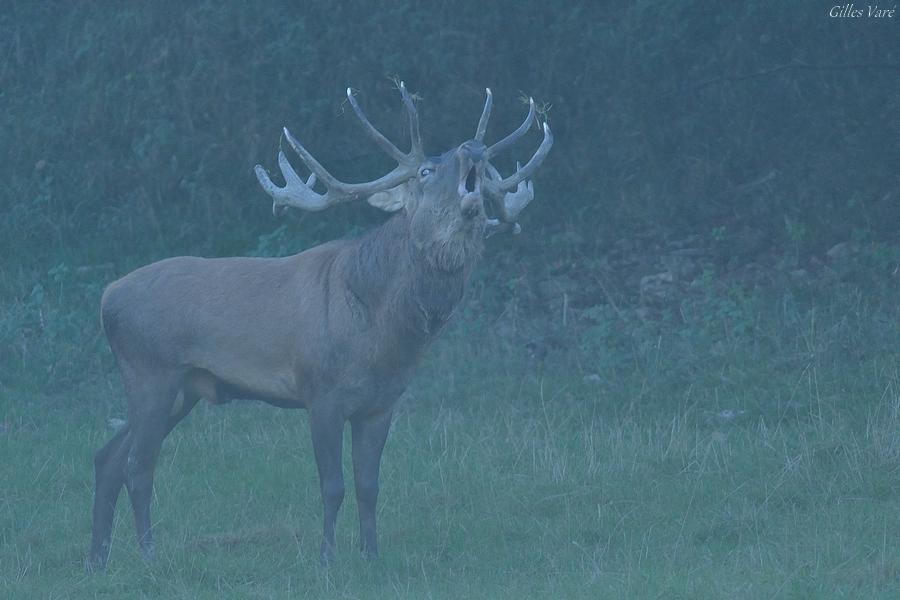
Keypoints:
pixel 497 484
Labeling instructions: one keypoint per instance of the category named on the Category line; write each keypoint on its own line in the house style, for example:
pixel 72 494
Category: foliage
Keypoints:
pixel 142 123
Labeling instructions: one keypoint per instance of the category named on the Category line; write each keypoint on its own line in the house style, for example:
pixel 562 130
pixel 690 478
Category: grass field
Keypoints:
pixel 761 465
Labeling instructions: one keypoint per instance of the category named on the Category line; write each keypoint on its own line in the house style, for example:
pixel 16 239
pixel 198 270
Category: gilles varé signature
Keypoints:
pixel 871 11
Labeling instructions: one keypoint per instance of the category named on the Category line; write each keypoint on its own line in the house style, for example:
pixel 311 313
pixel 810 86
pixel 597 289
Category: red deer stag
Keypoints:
pixel 336 329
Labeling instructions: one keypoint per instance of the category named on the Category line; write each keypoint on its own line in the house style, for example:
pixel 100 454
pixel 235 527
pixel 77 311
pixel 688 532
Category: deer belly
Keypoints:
pixel 223 385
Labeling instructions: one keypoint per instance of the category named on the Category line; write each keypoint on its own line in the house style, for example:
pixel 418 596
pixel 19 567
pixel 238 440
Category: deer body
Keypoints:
pixel 336 329
pixel 370 305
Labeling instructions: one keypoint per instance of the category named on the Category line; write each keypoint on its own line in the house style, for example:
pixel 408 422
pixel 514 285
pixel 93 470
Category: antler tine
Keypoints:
pixel 327 178
pixel 291 178
pixel 525 172
pixel 515 135
pixel 508 204
pixel 373 133
pixel 292 181
pixel 509 196
pixel 415 137
pixel 296 192
pixel 485 115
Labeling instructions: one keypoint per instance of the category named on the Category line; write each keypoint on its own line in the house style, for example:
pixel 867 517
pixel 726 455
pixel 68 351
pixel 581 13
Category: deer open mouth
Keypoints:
pixel 470 189
pixel 470 174
pixel 471 178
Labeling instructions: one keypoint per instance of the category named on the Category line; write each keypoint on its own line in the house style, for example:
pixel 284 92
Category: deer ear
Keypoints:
pixel 390 200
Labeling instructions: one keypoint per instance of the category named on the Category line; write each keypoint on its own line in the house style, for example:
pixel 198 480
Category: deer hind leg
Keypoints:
pixel 109 469
pixel 110 466
pixel 153 413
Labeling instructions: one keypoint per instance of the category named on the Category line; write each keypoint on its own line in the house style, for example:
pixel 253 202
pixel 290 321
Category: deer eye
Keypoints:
pixel 425 171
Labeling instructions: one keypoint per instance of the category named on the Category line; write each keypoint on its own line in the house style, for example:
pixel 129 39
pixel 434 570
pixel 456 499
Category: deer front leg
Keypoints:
pixel 369 435
pixel 327 433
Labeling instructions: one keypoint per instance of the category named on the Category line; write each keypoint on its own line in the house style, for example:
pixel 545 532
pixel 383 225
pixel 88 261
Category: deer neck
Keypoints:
pixel 404 283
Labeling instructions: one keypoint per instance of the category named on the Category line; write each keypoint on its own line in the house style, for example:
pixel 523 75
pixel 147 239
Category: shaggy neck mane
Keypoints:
pixel 392 277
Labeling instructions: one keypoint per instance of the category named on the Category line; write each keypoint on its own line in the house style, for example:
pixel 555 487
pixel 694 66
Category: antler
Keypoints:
pixel 508 204
pixel 512 194
pixel 300 194
pixel 485 115
pixel 515 135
